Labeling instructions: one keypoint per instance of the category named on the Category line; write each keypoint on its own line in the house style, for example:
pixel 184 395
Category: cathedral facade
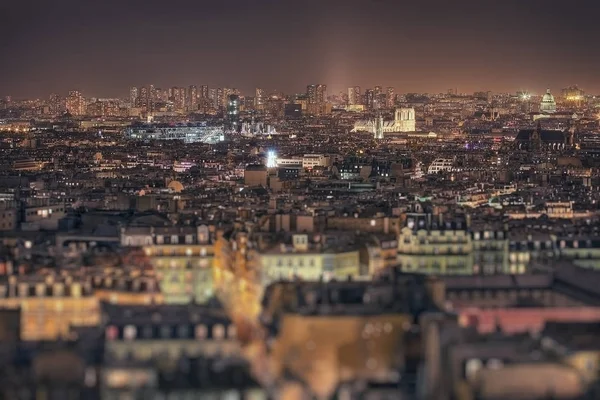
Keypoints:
pixel 404 121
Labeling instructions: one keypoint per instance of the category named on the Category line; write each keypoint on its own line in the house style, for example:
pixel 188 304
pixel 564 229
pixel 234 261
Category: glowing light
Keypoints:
pixel 271 159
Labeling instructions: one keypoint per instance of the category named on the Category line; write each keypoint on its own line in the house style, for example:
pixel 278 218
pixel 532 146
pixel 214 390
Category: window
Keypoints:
pixel 129 332
pixel 148 332
pixel 218 331
pixel 112 332
pixel 174 239
pixel 165 331
pixel 183 331
pixel 472 367
pixel 201 332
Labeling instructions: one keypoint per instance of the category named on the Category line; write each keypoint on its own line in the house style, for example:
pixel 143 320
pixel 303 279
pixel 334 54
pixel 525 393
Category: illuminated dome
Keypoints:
pixel 548 105
pixel 175 186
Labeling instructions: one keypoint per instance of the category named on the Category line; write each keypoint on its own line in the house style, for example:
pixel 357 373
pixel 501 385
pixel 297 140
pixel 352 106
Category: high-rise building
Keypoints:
pixel 204 91
pixel 259 99
pixel 316 94
pixel 152 97
pixel 370 98
pixel 142 100
pixel 354 95
pixel 321 94
pixel 219 99
pixel 357 96
pixel 233 110
pixel 75 103
pixel 179 97
pixel 311 94
pixel 133 95
pixel 390 97
pixel 193 97
pixel 226 93
pixel 56 104
pixel 351 98
pixel 378 97
pixel 212 97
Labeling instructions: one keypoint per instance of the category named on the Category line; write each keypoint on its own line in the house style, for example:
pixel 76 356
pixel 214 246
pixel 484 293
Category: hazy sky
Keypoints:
pixel 103 47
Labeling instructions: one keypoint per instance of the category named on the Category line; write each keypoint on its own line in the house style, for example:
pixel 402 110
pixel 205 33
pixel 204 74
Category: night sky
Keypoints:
pixel 103 47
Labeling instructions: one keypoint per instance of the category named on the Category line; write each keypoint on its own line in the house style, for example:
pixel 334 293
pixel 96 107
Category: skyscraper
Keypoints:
pixel 378 97
pixel 351 98
pixel 357 96
pixel 316 94
pixel 370 98
pixel 219 99
pixel 311 94
pixel 321 94
pixel 212 96
pixel 178 97
pixel 56 104
pixel 75 103
pixel 152 98
pixel 225 100
pixel 390 97
pixel 133 95
pixel 233 110
pixel 142 99
pixel 204 91
pixel 259 99
pixel 193 98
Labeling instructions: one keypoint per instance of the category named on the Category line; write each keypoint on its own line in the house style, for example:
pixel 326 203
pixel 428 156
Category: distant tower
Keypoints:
pixel 233 111
pixel 536 138
pixel 379 127
pixel 572 133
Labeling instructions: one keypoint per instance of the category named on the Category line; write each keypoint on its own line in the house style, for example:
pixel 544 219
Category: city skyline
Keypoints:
pixel 126 92
pixel 426 47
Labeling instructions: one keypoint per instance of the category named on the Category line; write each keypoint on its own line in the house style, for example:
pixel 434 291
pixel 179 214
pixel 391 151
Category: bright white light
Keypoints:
pixel 271 159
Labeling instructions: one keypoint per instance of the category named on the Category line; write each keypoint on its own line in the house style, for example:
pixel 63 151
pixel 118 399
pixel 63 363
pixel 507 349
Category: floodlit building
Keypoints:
pixel 404 121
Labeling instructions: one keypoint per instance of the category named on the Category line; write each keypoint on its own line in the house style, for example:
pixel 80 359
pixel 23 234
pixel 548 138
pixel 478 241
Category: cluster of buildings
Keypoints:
pixel 431 247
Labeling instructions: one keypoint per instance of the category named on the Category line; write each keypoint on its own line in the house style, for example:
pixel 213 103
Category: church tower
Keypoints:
pixel 379 127
pixel 536 138
pixel 404 120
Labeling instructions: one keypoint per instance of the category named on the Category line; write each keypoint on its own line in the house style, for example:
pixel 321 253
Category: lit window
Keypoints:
pixel 218 331
pixel 472 367
pixel 112 332
pixel 201 332
pixel 129 332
